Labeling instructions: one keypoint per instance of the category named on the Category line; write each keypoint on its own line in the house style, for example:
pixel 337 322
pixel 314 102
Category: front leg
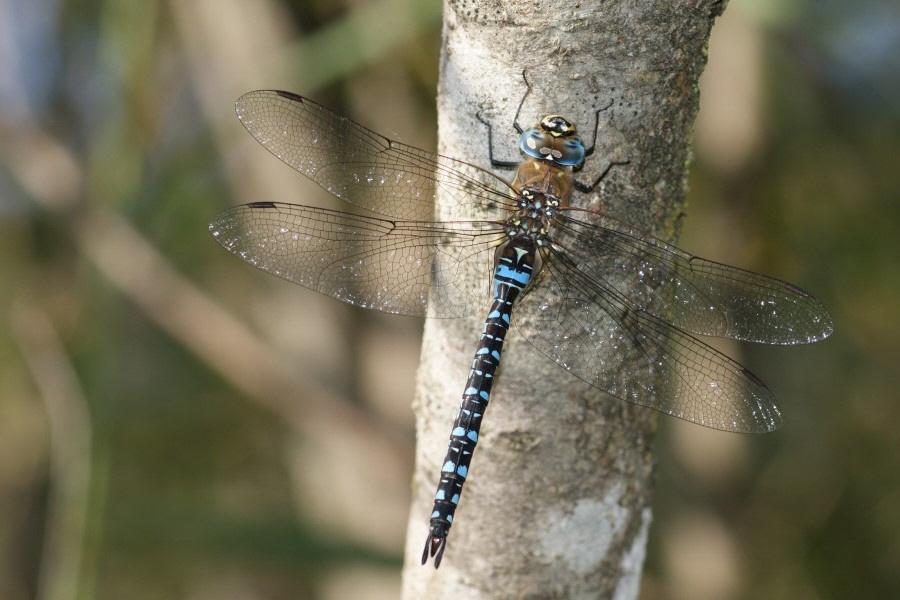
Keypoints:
pixel 499 164
pixel 586 188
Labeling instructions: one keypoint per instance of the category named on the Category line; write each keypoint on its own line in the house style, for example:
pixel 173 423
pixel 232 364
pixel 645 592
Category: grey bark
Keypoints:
pixel 557 503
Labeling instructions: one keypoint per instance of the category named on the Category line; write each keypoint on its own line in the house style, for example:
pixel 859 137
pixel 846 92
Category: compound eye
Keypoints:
pixel 533 143
pixel 571 153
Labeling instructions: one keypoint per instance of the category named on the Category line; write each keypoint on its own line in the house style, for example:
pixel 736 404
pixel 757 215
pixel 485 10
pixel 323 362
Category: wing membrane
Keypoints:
pixel 365 168
pixel 417 268
pixel 697 295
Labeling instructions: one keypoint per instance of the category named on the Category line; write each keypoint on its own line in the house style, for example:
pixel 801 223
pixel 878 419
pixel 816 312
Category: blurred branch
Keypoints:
pixel 213 33
pixel 361 37
pixel 135 268
pixel 68 417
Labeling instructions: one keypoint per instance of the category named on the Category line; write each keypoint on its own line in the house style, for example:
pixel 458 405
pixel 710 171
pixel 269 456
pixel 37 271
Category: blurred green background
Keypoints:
pixel 175 424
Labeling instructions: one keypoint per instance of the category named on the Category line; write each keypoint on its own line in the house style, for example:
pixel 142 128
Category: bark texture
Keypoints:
pixel 557 503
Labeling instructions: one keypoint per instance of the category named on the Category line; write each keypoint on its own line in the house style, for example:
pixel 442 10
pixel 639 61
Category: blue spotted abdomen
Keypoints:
pixel 511 275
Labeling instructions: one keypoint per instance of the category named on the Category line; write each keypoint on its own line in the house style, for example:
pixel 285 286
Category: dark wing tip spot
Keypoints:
pixel 289 95
pixel 261 205
pixel 793 288
pixel 752 377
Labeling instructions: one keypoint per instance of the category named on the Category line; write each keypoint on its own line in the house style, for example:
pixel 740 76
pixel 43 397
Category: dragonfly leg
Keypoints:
pixel 587 188
pixel 507 164
pixel 590 150
pixel 516 125
pixel 499 164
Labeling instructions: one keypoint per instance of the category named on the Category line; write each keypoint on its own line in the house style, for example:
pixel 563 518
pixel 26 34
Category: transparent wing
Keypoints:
pixel 588 327
pixel 697 295
pixel 418 268
pixel 365 168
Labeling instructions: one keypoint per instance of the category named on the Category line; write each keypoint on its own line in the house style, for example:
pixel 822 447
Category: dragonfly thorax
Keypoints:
pixel 532 220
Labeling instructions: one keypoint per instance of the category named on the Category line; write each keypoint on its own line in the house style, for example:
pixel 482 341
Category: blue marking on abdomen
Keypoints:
pixel 520 277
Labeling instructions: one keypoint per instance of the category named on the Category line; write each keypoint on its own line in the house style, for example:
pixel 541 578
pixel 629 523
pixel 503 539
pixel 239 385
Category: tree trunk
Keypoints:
pixel 557 503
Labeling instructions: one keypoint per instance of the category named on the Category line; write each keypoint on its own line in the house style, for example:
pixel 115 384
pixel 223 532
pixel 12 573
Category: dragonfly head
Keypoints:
pixel 555 140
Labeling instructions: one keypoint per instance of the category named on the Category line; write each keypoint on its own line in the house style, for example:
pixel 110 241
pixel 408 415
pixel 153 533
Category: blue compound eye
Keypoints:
pixel 572 153
pixel 540 144
pixel 533 141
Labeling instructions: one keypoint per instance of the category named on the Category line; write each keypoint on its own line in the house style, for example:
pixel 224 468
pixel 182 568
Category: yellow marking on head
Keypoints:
pixel 557 126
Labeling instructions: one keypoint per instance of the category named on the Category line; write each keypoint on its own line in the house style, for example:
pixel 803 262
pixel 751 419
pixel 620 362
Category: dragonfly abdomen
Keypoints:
pixel 512 274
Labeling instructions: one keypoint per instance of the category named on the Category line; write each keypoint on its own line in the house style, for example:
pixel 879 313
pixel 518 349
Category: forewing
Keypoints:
pixel 365 168
pixel 418 268
pixel 694 294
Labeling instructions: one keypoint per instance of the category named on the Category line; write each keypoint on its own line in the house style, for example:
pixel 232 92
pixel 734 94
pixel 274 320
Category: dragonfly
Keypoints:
pixel 591 293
